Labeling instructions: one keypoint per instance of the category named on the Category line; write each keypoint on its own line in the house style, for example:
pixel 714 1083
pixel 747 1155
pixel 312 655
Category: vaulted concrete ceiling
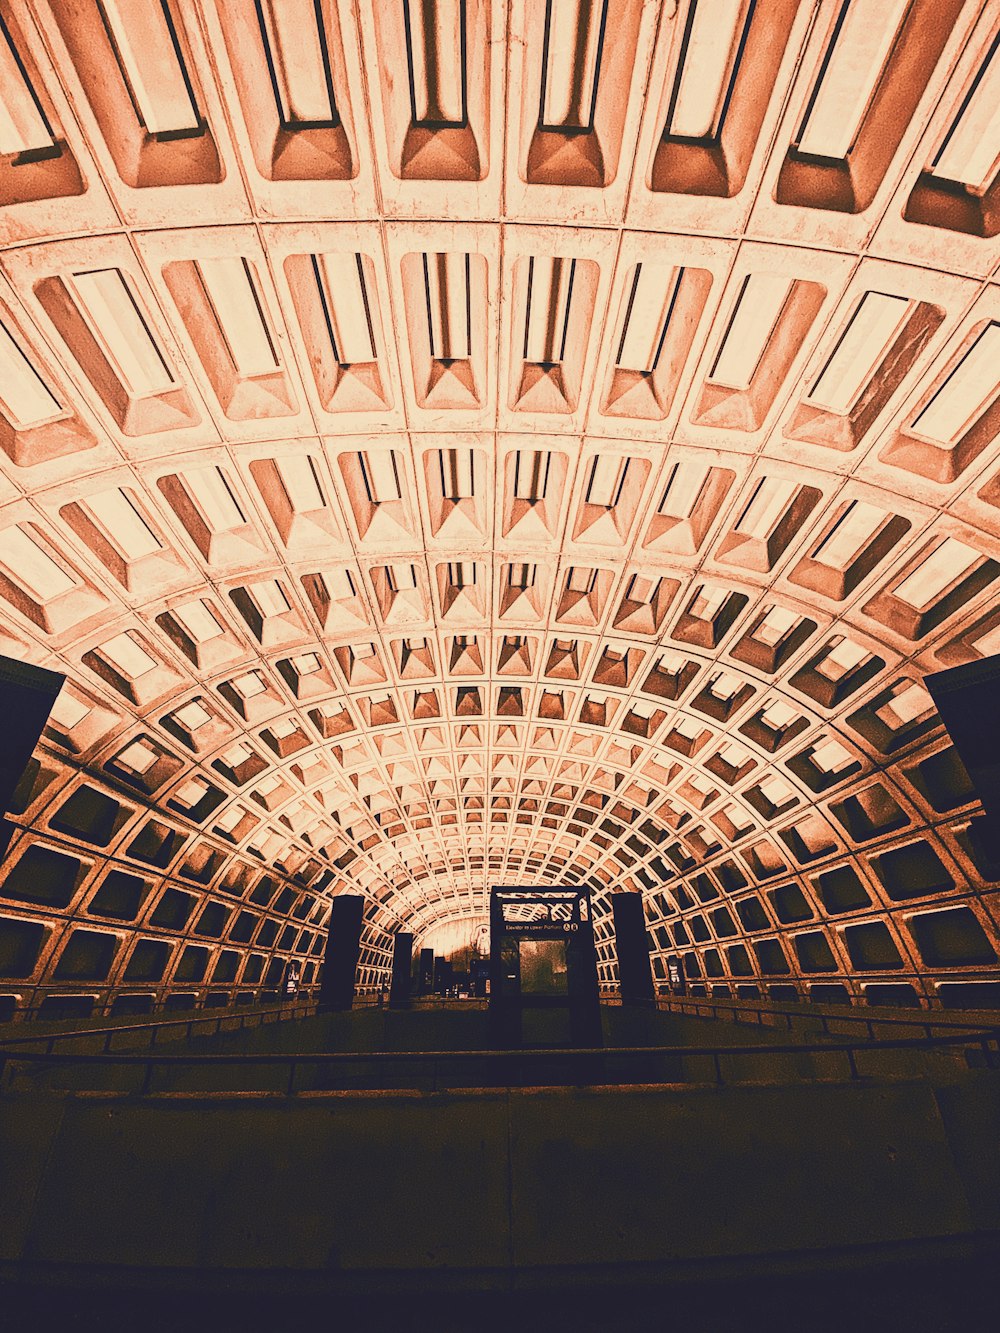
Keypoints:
pixel 457 443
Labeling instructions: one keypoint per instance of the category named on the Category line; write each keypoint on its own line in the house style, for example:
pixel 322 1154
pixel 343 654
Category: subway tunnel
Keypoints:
pixel 498 442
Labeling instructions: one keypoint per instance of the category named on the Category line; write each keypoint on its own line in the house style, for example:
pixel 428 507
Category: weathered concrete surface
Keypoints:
pixel 335 1187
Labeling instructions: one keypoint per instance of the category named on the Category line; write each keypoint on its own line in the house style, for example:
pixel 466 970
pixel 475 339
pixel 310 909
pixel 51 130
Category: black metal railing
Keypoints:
pixel 768 1014
pixel 333 1070
pixel 229 1020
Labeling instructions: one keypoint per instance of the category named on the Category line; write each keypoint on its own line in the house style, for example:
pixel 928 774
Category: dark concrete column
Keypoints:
pixel 402 962
pixel 425 980
pixel 634 974
pixel 27 694
pixel 343 945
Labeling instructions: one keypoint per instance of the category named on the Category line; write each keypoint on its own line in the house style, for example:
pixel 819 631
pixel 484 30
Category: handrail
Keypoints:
pixel 285 1013
pixel 984 1038
pixel 727 1007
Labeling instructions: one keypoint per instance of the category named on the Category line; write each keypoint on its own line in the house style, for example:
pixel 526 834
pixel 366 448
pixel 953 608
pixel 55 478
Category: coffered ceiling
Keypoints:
pixel 466 442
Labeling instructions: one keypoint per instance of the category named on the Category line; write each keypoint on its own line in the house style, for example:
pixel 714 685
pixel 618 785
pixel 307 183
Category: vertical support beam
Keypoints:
pixel 402 962
pixel 425 981
pixel 27 694
pixel 635 977
pixel 343 945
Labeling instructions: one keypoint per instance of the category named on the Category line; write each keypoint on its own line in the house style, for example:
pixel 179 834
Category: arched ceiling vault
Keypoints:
pixel 464 443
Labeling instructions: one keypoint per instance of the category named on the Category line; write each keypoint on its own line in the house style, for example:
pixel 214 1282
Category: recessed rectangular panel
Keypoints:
pixel 297 473
pixel 106 302
pixel 607 477
pixel 850 535
pixel 230 289
pixel 435 47
pixel 32 567
pixel 122 524
pixel 760 303
pixel 962 397
pixel 446 286
pixel 767 506
pixel 380 477
pixel 550 292
pixel 23 127
pixel 299 62
pixel 210 491
pixel 708 59
pixel 343 291
pixel 647 313
pixel 22 393
pixel 145 41
pixel 859 351
pixel 684 488
pixel 970 150
pixel 574 36
pixel 855 60
pixel 944 567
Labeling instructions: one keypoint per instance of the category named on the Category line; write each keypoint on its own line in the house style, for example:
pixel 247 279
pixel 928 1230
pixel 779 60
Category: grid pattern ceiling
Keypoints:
pixel 465 442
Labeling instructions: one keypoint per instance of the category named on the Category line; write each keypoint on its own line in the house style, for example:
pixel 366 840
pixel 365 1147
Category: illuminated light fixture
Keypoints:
pixel 24 396
pixel 859 351
pixel 852 69
pixel 760 303
pixel 298 62
pixel 710 48
pixel 144 40
pixel 24 127
pixel 105 299
pixel 32 568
